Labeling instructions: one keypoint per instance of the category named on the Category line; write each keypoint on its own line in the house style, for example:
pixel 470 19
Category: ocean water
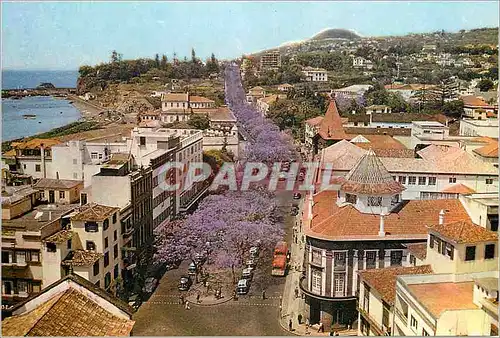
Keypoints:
pixel 50 113
pixel 13 79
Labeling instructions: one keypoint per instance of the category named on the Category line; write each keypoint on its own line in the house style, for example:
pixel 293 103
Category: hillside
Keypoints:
pixel 335 33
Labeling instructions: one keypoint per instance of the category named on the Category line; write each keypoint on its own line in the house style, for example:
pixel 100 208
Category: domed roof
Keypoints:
pixel 370 177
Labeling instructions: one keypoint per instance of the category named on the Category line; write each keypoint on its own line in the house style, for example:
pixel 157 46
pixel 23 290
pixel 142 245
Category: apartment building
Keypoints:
pixel 362 224
pixel 315 74
pixel 451 288
pixel 88 246
pixel 22 249
pixel 438 172
pixel 270 60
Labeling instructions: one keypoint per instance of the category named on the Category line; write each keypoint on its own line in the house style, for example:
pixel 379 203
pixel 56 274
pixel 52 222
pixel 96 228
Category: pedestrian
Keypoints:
pixel 296 242
pixel 299 318
pixel 264 294
pixel 307 325
pixel 235 295
pixel 181 298
pixel 321 328
pixel 187 305
pixel 198 298
pixel 290 325
pixel 331 333
pixel 296 292
pixel 336 333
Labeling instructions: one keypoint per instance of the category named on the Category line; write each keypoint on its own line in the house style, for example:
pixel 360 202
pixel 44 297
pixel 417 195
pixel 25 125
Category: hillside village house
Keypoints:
pixel 255 93
pixel 16 201
pixel 285 87
pixel 439 172
pixel 378 109
pixel 178 107
pixel 484 148
pixel 360 62
pixel 477 109
pixel 263 104
pixel 410 92
pixel 352 92
pixel 363 224
pixel 71 306
pixel 315 74
pixel 59 191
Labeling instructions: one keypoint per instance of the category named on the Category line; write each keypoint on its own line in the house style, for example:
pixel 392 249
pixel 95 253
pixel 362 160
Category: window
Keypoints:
pixel 316 256
pixel 106 243
pixel 115 251
pixel 105 224
pixel 8 287
pixel 374 201
pixel 75 161
pixel 37 168
pixel 114 218
pixel 339 259
pixel 350 198
pixel 422 180
pixel 316 281
pixel 20 257
pixel 470 253
pixel 450 249
pixel 51 247
pixel 339 279
pixel 107 280
pixel 366 298
pixel 106 259
pixel 371 259
pixel 90 245
pixel 489 181
pixel 83 199
pixel 489 251
pixel 24 166
pixel 75 176
pixel 402 179
pixel 115 235
pixel 413 322
pixel 116 271
pixel 412 180
pixel 142 141
pixel 452 180
pixel 96 268
pixel 69 244
pixel 432 180
pixel 35 256
pixel 413 260
pixel 91 227
pixel 98 284
pixel 396 257
pixel 61 194
pixel 424 333
pixel 93 156
pixel 6 257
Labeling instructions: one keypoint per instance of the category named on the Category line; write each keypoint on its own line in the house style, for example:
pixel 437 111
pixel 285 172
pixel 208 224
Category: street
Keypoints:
pixel 163 315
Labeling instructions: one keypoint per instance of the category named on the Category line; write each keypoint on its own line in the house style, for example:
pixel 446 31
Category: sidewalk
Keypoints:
pixel 206 298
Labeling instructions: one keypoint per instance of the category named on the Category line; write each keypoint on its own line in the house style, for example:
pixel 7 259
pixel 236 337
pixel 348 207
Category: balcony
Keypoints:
pixel 401 316
pixel 16 264
pixel 374 326
pixel 128 232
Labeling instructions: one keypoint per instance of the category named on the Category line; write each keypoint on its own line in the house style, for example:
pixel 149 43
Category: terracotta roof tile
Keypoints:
pixel 81 258
pixel 377 131
pixel 410 220
pixel 69 313
pixel 176 97
pixel 418 250
pixel 36 143
pixel 439 297
pixel 200 99
pixel 330 127
pixel 464 231
pixel 50 183
pixel 473 101
pixel 94 212
pixel 369 176
pixel 315 121
pixel 384 280
pixel 458 188
pixel 61 236
pixel 490 150
pixel 380 142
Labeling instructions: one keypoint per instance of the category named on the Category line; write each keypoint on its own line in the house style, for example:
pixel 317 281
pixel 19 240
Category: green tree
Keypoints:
pixel 157 60
pixel 163 62
pixel 193 56
pixel 199 121
pixel 454 108
pixel 115 57
pixel 485 84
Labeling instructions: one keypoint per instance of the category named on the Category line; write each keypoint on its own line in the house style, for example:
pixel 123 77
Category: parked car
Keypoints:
pixel 301 176
pixel 297 196
pixel 200 258
pixel 247 274
pixel 254 251
pixel 251 264
pixel 282 176
pixel 185 283
pixel 192 269
pixel 243 287
pixel 294 211
pixel 149 285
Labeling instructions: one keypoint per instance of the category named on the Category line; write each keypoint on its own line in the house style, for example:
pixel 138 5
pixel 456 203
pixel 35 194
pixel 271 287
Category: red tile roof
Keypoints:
pixel 384 280
pixel 458 188
pixel 490 150
pixel 464 231
pixel 473 101
pixel 410 220
pixel 369 176
pixel 439 297
pixel 199 99
pixel 315 121
pixel 331 126
pixel 419 250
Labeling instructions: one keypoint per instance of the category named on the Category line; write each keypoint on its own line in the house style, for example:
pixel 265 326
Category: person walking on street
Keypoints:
pixel 290 325
pixel 198 298
pixel 264 294
pixel 299 318
pixel 181 299
pixel 296 292
pixel 187 306
pixel 235 295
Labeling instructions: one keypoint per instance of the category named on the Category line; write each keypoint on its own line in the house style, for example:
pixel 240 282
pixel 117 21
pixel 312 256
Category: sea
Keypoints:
pixel 50 112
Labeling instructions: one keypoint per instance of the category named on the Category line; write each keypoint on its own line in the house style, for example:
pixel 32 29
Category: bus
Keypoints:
pixel 280 260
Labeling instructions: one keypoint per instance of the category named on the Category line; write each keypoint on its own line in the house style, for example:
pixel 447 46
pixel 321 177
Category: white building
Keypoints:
pixel 488 127
pixel 362 63
pixel 315 74
pixel 352 92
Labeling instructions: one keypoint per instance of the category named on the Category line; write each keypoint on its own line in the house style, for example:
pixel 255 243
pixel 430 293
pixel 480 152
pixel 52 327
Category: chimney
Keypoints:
pixel 381 231
pixel 441 217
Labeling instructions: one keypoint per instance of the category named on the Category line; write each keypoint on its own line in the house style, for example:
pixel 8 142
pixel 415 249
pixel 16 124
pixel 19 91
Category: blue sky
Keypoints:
pixel 59 35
